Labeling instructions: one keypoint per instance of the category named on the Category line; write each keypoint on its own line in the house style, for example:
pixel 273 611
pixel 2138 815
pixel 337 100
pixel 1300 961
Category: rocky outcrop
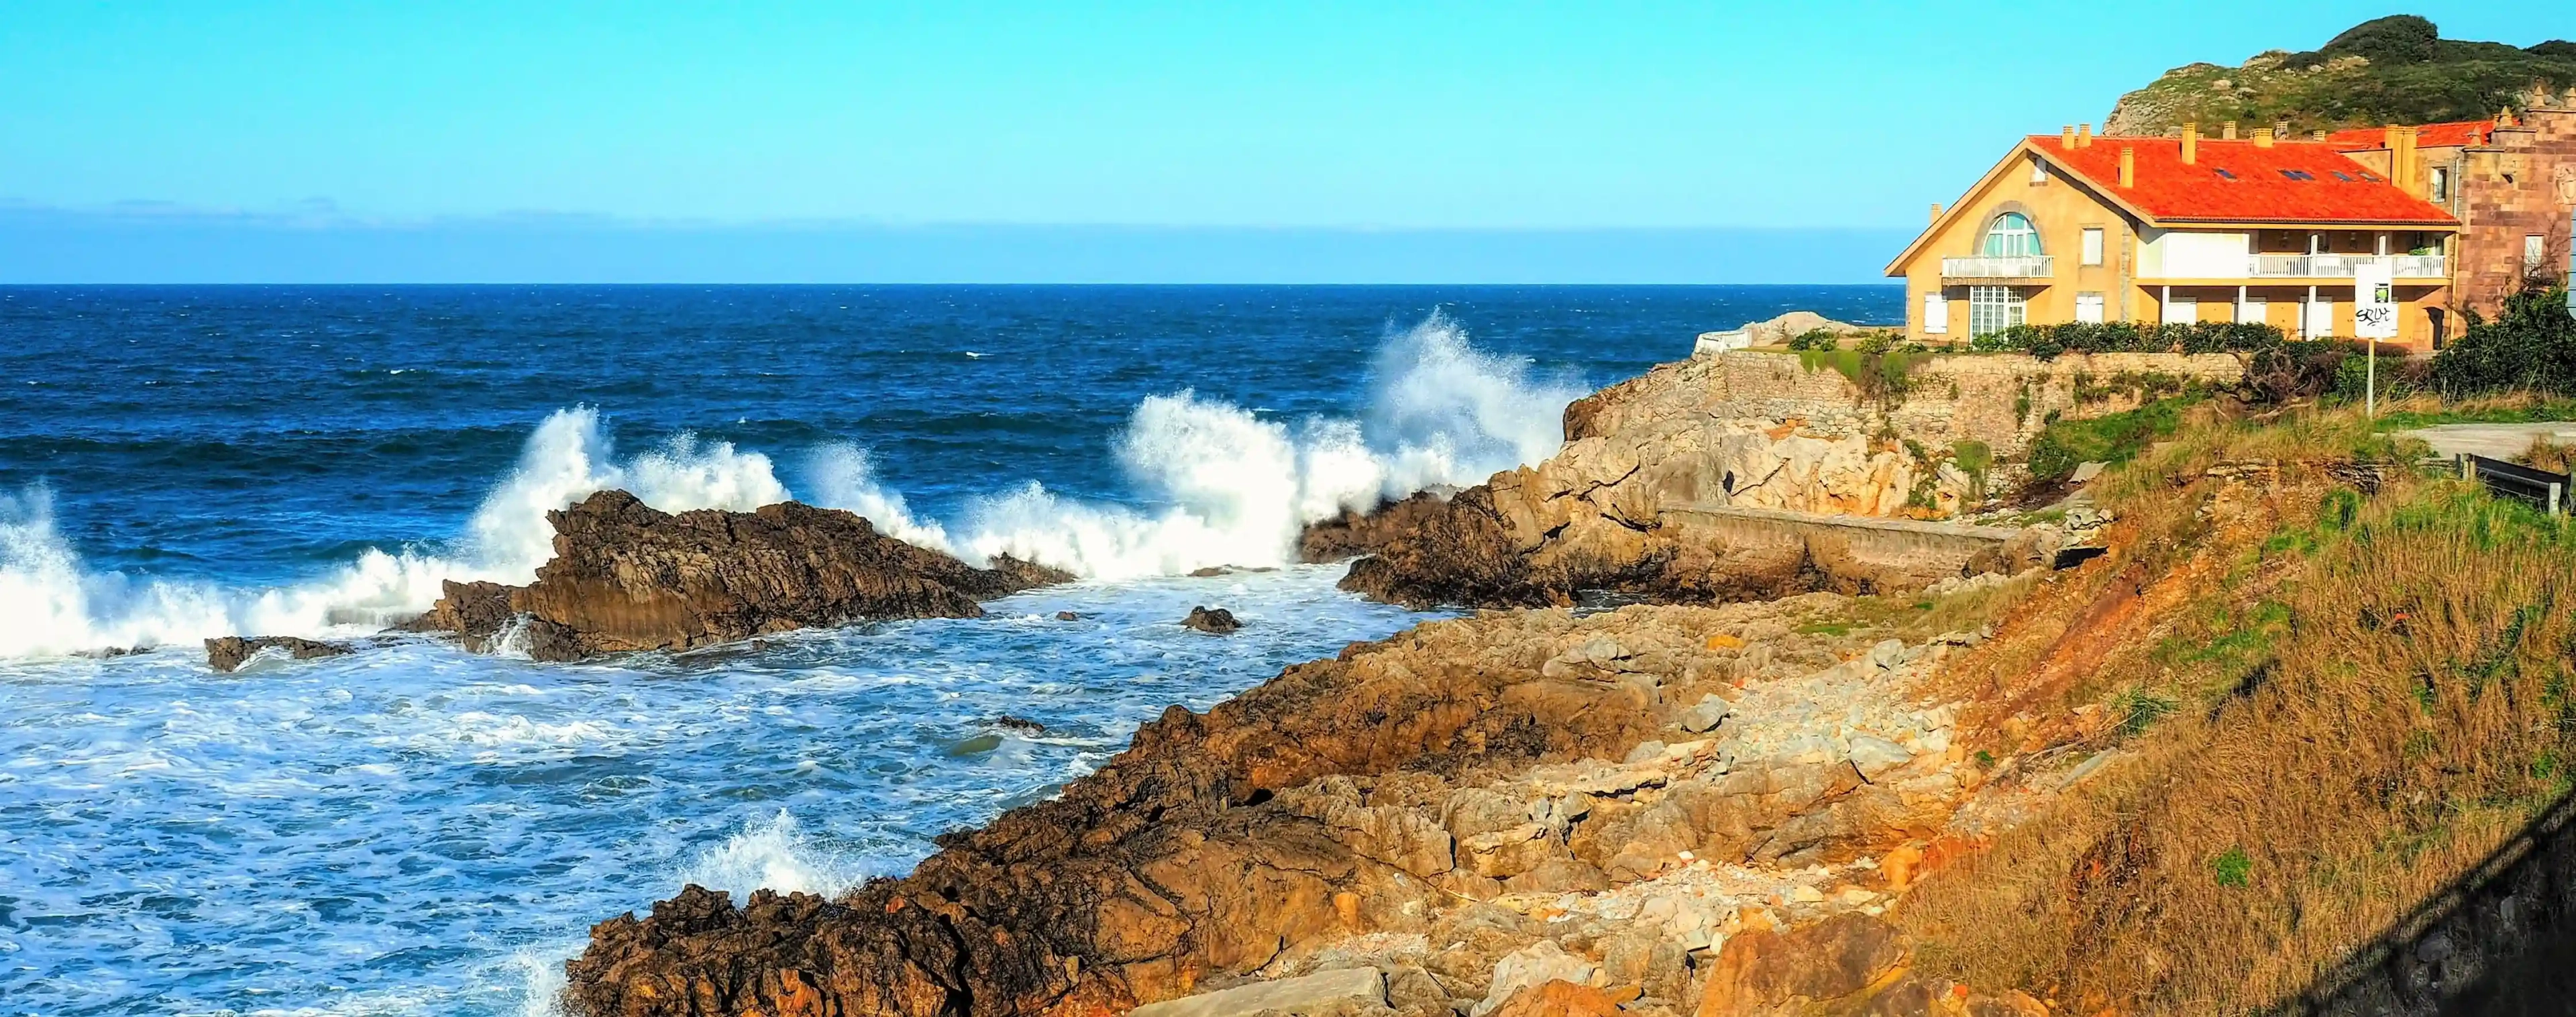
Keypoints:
pixel 628 577
pixel 1214 621
pixel 1409 791
pixel 1624 505
pixel 229 653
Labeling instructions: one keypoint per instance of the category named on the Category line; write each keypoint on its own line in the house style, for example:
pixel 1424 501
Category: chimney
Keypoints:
pixel 2318 136
pixel 2128 166
pixel 2227 131
pixel 2281 129
pixel 2190 143
pixel 2388 140
pixel 2401 161
pixel 1936 211
pixel 2262 137
pixel 2066 137
pixel 2084 135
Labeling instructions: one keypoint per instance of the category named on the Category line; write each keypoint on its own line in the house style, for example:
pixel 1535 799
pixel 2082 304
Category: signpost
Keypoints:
pixel 2374 317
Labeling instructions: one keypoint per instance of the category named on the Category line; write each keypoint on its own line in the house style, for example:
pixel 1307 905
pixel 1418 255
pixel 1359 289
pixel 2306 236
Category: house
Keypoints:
pixel 2079 228
pixel 2511 181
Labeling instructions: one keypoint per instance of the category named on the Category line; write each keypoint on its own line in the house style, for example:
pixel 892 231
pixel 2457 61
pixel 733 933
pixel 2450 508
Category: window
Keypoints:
pixel 2298 174
pixel 1936 314
pixel 2223 174
pixel 2038 172
pixel 2011 236
pixel 2533 252
pixel 2088 308
pixel 2440 189
pixel 2093 245
pixel 1992 309
pixel 2252 308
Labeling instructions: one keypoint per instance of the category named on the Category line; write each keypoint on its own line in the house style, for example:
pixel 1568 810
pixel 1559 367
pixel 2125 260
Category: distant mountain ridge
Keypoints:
pixel 2395 69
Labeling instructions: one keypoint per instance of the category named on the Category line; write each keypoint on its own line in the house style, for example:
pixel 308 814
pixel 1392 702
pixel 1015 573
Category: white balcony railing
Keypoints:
pixel 2006 266
pixel 2342 266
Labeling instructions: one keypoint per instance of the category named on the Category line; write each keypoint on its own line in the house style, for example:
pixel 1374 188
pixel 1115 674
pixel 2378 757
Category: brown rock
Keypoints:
pixel 1561 998
pixel 231 652
pixel 1834 961
pixel 628 577
pixel 1216 621
pixel 1353 533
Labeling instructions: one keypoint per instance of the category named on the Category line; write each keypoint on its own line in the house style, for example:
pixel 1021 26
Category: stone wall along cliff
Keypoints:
pixel 1742 430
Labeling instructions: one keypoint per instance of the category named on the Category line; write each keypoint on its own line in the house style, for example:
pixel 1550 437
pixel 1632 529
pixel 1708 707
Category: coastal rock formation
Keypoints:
pixel 626 576
pixel 1411 791
pixel 1214 621
pixel 231 652
pixel 1637 501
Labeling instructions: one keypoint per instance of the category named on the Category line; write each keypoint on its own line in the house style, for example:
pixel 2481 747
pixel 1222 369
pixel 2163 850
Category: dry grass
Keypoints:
pixel 2545 454
pixel 2329 706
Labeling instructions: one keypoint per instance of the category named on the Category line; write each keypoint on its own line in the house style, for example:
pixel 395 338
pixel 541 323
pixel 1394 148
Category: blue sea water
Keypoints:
pixel 414 830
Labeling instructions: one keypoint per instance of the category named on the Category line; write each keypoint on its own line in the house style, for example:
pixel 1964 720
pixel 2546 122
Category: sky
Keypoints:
pixel 1595 142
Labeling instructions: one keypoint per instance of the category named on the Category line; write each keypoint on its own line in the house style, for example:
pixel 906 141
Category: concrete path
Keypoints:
pixel 2494 441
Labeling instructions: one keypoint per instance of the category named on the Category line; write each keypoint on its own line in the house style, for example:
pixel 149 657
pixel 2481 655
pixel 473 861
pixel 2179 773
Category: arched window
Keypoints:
pixel 2011 236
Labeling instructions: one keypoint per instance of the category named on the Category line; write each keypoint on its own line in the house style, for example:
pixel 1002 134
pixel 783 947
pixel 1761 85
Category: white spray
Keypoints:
pixel 1233 489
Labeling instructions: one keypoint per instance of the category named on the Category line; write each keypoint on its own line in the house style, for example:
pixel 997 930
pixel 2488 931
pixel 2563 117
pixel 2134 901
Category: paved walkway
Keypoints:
pixel 2494 441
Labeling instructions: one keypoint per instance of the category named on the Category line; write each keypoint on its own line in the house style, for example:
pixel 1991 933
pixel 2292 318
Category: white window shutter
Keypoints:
pixel 1936 314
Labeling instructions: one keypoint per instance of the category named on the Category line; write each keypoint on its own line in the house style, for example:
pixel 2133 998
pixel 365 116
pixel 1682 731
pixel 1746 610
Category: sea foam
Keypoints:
pixel 1228 486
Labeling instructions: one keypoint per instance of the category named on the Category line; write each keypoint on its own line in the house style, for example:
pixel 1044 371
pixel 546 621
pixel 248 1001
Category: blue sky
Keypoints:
pixel 1360 123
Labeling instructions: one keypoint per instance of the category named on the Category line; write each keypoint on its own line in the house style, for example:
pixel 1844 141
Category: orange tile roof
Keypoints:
pixel 2254 187
pixel 2456 134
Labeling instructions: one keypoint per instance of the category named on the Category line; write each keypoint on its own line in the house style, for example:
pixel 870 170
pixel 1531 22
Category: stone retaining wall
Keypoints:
pixel 2002 399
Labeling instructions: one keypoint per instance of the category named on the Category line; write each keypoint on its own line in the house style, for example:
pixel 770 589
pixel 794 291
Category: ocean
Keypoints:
pixel 415 830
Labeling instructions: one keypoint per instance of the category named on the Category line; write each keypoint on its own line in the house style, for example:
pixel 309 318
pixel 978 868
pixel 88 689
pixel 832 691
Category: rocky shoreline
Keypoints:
pixel 1469 806
pixel 1674 807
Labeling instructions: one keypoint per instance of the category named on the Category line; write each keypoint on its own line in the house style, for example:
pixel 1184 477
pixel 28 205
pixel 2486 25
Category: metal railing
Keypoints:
pixel 2343 266
pixel 2545 491
pixel 2000 266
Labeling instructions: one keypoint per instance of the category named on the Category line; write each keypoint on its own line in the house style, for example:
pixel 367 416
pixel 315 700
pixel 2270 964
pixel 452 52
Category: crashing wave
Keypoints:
pixel 1233 489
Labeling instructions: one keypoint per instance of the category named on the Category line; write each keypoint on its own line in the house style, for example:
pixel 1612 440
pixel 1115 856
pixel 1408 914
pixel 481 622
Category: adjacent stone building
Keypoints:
pixel 2511 182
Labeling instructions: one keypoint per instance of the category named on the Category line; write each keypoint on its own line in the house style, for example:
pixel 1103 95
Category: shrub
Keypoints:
pixel 2047 341
pixel 2530 347
pixel 2110 438
pixel 1816 339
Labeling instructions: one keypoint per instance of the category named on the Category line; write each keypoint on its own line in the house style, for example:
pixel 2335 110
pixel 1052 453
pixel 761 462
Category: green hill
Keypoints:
pixel 2395 69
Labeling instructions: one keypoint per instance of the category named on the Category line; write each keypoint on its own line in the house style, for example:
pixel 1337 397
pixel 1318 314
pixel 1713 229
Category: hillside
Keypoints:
pixel 2395 69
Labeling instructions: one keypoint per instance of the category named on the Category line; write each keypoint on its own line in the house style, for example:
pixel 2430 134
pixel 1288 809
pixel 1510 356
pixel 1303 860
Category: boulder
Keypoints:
pixel 1530 967
pixel 1707 714
pixel 1216 620
pixel 628 577
pixel 1762 972
pixel 1306 994
pixel 1561 998
pixel 229 653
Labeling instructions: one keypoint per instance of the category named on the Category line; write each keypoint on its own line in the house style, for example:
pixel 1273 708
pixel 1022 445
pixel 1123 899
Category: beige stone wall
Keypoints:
pixel 2001 399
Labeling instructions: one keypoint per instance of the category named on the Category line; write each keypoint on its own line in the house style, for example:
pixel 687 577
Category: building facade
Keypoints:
pixel 2510 181
pixel 2078 228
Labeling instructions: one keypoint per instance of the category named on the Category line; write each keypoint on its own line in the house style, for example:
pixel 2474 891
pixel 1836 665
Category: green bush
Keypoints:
pixel 2110 438
pixel 2530 347
pixel 2047 341
pixel 1816 339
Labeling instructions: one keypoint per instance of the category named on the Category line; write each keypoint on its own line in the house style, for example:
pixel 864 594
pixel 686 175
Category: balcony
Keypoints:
pixel 2009 266
pixel 2342 266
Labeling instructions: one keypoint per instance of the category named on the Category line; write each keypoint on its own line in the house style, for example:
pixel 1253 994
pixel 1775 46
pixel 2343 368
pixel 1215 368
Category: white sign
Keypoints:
pixel 2374 301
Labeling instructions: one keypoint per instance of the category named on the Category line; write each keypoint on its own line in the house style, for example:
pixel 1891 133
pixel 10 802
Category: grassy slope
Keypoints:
pixel 2469 80
pixel 2327 704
